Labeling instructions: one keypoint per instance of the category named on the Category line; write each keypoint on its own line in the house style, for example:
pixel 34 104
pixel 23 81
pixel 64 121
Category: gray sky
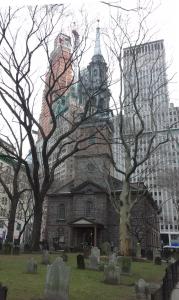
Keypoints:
pixel 164 22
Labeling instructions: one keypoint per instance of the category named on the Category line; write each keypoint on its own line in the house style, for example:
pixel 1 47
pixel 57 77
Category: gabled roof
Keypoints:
pixel 84 221
pixel 85 184
pixel 56 188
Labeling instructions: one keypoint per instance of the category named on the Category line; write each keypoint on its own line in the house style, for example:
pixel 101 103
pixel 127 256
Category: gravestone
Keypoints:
pixel 158 260
pixel 125 263
pixel 111 274
pixel 86 251
pixel 153 287
pixel 106 248
pixel 3 292
pixel 156 253
pixel 65 257
pixel 80 262
pixel 45 257
pixel 138 250
pixel 142 290
pixel 57 281
pixel 113 258
pixel 95 251
pixel 31 266
pixel 93 262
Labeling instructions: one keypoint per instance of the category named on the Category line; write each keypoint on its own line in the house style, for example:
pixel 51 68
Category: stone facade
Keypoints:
pixel 80 212
pixel 84 215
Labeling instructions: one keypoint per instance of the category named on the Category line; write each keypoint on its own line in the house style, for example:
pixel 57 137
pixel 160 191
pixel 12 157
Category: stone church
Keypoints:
pixel 81 212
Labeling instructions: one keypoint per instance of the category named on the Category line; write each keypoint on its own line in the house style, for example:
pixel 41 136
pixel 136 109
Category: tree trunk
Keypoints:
pixel 36 231
pixel 125 238
pixel 11 221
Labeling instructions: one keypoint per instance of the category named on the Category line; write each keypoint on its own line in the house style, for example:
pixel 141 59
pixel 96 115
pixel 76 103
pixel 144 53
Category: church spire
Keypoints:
pixel 97 48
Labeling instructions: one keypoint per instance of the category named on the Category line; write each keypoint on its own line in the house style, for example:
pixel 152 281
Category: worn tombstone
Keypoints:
pixel 31 266
pixel 3 292
pixel 142 290
pixel 113 258
pixel 106 248
pixel 57 281
pixel 45 257
pixel 112 273
pixel 80 262
pixel 95 251
pixel 138 250
pixel 65 257
pixel 93 262
pixel 156 253
pixel 125 263
pixel 86 251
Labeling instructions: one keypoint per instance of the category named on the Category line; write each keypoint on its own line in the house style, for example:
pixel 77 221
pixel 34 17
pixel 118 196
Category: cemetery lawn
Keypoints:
pixel 84 284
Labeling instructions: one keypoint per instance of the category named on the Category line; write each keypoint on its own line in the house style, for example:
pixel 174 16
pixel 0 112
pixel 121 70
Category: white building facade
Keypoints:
pixel 145 82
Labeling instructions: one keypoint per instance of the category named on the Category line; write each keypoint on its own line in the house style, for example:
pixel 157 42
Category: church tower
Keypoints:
pixel 93 164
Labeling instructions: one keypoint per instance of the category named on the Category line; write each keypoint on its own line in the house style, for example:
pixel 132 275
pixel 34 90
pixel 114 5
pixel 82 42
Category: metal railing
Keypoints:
pixel 170 280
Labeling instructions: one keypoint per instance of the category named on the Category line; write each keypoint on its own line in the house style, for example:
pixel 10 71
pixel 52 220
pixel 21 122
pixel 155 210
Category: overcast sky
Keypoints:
pixel 164 20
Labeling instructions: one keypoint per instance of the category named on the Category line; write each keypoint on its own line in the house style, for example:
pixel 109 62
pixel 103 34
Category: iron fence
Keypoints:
pixel 170 280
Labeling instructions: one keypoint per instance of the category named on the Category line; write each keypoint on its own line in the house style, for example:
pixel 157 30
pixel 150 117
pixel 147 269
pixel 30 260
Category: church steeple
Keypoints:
pixel 97 48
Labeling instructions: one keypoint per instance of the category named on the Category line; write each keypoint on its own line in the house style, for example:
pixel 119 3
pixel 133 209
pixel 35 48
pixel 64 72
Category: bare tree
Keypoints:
pixel 140 119
pixel 12 178
pixel 19 90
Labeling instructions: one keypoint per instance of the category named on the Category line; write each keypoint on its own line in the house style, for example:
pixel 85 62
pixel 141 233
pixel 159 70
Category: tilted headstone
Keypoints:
pixel 57 281
pixel 142 290
pixel 95 251
pixel 138 250
pixel 93 262
pixel 125 263
pixel 45 257
pixel 80 261
pixel 31 266
pixel 112 274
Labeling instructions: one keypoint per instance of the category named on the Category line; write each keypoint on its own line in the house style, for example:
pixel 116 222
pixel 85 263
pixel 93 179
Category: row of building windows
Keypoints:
pixel 175 227
pixel 89 210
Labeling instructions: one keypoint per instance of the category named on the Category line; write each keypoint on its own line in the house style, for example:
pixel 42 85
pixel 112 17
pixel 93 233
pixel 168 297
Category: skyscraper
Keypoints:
pixel 146 94
pixel 59 70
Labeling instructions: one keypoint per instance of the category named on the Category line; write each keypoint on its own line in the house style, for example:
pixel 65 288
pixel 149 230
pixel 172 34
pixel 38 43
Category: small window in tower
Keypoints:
pixel 95 72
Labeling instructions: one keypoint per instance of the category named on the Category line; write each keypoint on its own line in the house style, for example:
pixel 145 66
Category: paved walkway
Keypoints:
pixel 175 293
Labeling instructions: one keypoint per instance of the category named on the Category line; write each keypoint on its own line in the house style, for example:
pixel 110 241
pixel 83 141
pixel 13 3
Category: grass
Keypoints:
pixel 84 284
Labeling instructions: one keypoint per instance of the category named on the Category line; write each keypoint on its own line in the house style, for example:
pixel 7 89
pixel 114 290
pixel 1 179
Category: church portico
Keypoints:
pixel 85 233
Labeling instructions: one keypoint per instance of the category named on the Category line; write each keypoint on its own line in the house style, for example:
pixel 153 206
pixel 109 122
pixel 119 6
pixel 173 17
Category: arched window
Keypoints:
pixel 89 208
pixel 61 211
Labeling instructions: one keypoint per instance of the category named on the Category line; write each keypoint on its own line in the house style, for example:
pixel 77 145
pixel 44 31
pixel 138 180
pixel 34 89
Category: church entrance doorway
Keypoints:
pixel 85 233
pixel 85 237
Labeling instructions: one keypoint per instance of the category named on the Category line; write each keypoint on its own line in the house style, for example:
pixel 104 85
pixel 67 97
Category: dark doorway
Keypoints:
pixel 83 236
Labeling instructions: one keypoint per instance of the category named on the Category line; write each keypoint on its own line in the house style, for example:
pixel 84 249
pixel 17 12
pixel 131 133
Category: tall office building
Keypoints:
pixel 145 85
pixel 59 70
